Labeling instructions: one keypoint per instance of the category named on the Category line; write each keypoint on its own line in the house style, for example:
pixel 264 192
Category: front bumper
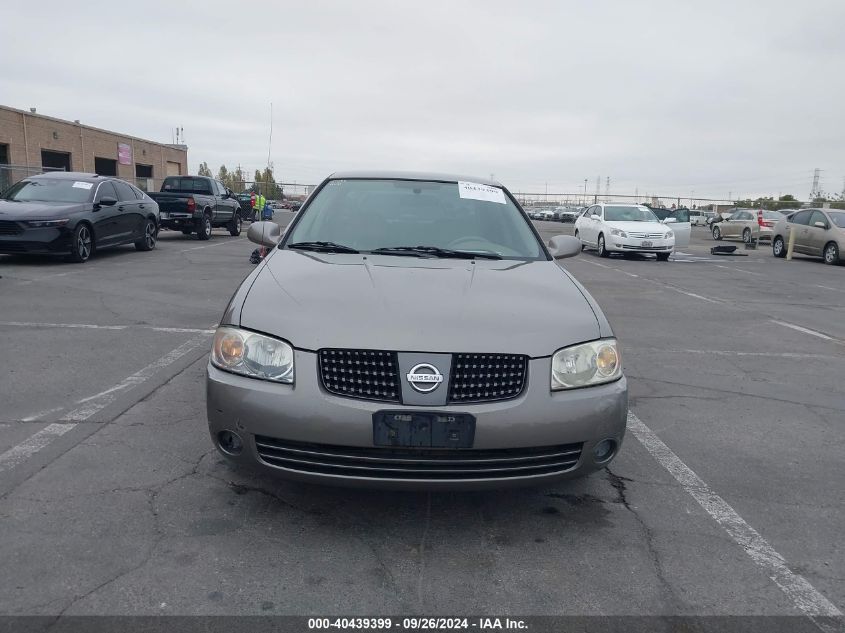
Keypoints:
pixel 328 433
pixel 616 244
pixel 38 241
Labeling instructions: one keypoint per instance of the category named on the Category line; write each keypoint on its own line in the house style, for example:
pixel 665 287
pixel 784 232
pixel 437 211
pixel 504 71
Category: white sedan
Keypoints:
pixel 624 228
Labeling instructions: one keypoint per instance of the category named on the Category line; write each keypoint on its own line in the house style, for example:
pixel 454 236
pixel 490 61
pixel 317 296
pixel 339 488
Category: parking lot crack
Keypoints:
pixel 619 483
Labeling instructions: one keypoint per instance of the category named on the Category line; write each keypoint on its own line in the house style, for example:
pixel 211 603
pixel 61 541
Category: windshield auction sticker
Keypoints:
pixel 83 185
pixel 477 191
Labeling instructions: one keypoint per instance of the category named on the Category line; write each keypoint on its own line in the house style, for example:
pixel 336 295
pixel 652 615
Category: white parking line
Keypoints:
pixel 196 248
pixel 829 288
pixel 805 330
pixel 740 270
pixel 730 352
pixel 803 595
pixel 41 414
pixel 94 326
pixel 693 295
pixel 97 402
pixel 32 445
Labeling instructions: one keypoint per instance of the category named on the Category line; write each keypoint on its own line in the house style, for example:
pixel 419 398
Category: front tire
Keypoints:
pixel 204 229
pixel 717 233
pixel 235 226
pixel 148 241
pixel 746 236
pixel 82 244
pixel 831 253
pixel 778 247
pixel 602 248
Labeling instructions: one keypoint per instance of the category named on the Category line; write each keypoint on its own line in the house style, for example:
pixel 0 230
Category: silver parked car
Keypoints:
pixel 378 344
pixel 818 232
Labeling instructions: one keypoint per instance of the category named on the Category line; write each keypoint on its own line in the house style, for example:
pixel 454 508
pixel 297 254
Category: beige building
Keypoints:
pixel 31 143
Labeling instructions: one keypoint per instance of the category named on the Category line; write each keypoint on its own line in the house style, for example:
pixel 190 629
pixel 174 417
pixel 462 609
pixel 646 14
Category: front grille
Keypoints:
pixel 649 248
pixel 415 463
pixel 10 228
pixel 360 373
pixel 486 377
pixel 12 247
pixel 646 236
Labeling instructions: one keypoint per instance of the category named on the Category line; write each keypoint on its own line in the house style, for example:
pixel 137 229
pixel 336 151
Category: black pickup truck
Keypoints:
pixel 196 204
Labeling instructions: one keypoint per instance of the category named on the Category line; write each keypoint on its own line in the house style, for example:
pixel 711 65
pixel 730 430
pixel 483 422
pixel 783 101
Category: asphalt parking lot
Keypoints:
pixel 728 496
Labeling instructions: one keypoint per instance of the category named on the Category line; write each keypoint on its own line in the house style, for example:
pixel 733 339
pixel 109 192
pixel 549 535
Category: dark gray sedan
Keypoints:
pixel 73 214
pixel 381 342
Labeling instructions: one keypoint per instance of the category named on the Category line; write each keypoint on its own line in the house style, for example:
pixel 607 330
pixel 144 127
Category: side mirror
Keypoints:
pixel 670 220
pixel 821 225
pixel 264 233
pixel 563 246
pixel 107 201
pixel 595 217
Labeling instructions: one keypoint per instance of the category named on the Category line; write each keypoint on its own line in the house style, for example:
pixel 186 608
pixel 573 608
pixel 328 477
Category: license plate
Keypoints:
pixel 423 429
pixel 647 244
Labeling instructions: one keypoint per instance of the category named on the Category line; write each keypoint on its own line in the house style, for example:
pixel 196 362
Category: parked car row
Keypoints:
pixel 554 214
pixel 747 224
pixel 74 214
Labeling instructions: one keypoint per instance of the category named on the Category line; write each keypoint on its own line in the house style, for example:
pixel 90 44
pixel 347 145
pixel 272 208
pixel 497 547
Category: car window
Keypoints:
pixel 370 214
pixel 838 218
pixel 682 215
pixel 139 195
pixel 802 217
pixel 817 216
pixel 186 184
pixel 124 191
pixel 106 190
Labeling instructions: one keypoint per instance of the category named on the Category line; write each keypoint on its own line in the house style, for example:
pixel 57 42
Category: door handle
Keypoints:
pixel 140 206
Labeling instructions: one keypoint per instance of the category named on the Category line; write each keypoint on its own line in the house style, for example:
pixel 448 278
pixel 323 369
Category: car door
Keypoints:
pixel 681 228
pixel 592 226
pixel 223 205
pixel 129 219
pixel 817 236
pixel 106 217
pixel 798 223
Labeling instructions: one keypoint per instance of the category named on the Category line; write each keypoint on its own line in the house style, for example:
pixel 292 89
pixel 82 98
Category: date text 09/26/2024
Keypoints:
pixel 417 624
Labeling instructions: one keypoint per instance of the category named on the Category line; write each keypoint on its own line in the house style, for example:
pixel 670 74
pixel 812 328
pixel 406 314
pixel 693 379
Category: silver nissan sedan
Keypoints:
pixel 382 343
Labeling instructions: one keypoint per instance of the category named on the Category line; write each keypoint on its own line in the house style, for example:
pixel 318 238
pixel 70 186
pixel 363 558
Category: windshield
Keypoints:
pixel 838 218
pixel 629 214
pixel 374 214
pixel 50 190
pixel 772 215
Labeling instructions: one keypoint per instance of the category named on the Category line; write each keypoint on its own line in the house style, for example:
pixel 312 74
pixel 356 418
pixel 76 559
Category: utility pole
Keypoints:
pixel 546 199
pixel 636 194
pixel 607 190
pixel 598 188
pixel 585 192
pixel 815 192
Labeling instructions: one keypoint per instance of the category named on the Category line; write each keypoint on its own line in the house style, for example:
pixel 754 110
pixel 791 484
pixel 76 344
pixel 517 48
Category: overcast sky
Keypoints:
pixel 663 97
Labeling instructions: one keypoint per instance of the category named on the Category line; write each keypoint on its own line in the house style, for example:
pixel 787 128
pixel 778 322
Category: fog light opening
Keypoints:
pixel 604 451
pixel 230 442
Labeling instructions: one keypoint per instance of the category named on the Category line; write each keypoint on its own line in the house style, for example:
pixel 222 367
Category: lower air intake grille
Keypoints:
pixel 413 463
pixel 486 377
pixel 10 228
pixel 360 373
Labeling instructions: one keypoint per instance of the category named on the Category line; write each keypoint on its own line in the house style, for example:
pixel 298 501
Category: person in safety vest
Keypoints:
pixel 252 207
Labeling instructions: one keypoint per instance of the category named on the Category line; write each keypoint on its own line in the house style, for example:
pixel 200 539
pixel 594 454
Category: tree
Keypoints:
pixel 204 170
pixel 223 176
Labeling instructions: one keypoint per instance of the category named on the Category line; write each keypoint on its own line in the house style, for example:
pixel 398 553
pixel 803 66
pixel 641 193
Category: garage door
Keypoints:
pixel 174 169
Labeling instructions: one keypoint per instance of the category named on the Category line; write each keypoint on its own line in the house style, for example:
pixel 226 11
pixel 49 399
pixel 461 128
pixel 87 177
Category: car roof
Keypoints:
pixel 69 175
pixel 411 175
pixel 621 204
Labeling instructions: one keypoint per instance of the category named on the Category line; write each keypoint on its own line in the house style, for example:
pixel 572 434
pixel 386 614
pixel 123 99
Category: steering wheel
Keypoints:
pixel 455 244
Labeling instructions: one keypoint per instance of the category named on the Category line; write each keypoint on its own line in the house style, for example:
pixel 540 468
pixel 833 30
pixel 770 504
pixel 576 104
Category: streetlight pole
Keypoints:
pixel 585 192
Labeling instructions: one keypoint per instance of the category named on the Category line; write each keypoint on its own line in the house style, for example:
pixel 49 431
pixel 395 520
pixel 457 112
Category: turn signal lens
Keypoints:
pixel 251 354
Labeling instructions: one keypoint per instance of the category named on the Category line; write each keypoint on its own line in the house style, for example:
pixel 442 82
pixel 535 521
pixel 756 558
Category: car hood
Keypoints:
pixel 10 210
pixel 316 301
pixel 639 227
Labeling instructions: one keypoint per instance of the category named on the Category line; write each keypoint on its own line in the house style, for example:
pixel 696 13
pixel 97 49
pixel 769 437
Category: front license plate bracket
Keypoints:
pixel 423 429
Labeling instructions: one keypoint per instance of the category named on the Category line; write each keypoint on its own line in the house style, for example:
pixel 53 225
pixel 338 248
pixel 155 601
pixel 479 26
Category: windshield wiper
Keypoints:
pixel 434 251
pixel 323 247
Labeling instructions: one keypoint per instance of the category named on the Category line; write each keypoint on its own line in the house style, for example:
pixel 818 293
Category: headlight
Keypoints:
pixel 618 233
pixel 40 224
pixel 254 355
pixel 588 364
pixel 668 235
